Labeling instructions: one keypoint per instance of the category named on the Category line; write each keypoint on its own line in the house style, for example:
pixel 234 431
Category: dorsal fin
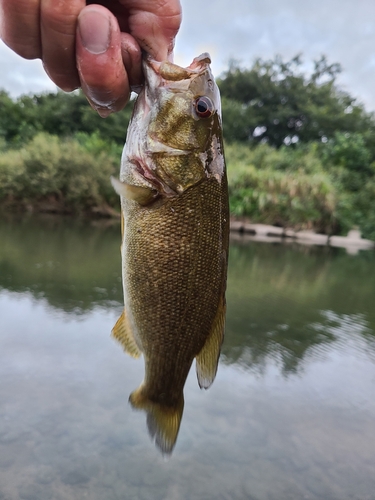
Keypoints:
pixel 122 333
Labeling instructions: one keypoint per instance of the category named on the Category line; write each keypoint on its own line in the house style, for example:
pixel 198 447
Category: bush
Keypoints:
pixel 366 210
pixel 357 209
pixel 62 168
pixel 349 160
pixel 326 187
pixel 282 187
pixel 284 198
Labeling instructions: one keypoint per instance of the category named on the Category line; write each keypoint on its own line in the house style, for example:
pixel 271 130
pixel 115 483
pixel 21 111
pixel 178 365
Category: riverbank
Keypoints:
pixel 56 206
pixel 242 230
pixel 246 231
pixel 285 187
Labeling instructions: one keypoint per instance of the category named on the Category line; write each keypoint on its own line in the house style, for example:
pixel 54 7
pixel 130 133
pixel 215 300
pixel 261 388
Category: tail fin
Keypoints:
pixel 163 421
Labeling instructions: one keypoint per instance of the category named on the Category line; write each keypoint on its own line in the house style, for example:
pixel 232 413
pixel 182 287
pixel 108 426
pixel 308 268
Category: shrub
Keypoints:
pixel 62 168
pixel 282 187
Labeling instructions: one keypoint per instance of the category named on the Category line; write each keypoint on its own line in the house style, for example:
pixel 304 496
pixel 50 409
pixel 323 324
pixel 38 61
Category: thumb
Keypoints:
pixel 102 73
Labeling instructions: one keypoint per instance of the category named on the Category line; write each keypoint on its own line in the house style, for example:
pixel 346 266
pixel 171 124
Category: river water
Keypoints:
pixel 290 416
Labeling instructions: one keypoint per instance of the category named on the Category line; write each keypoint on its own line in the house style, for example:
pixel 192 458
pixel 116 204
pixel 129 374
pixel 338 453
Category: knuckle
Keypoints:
pixel 61 16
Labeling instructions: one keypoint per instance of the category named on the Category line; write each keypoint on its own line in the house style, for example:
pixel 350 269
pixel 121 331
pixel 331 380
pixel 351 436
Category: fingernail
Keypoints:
pixel 94 29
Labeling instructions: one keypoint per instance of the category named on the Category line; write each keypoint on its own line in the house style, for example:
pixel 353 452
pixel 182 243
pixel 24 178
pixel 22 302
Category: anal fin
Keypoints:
pixel 123 334
pixel 208 358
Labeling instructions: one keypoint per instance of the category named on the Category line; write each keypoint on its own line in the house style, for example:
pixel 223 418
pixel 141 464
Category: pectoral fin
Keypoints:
pixel 142 195
pixel 123 334
pixel 207 360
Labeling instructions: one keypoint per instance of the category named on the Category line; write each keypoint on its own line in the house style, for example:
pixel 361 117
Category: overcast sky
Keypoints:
pixel 343 30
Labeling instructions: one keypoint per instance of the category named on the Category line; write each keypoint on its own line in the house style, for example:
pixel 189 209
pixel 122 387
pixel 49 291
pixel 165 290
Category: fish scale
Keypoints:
pixel 179 245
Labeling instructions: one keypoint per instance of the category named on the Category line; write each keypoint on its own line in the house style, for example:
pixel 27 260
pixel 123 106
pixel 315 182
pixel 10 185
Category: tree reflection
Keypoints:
pixel 278 296
pixel 285 303
pixel 73 264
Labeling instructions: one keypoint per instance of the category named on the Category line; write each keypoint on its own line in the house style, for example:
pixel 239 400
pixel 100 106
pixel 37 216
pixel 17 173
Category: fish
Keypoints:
pixel 175 235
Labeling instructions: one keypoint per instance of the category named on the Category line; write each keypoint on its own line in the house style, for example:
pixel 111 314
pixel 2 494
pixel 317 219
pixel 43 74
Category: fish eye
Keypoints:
pixel 204 107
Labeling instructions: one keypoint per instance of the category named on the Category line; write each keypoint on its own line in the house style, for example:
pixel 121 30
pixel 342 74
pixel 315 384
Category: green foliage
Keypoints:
pixel 59 114
pixel 15 120
pixel 326 187
pixel 366 210
pixel 285 187
pixel 357 209
pixel 96 145
pixel 275 102
pixel 348 159
pixel 351 158
pixel 59 168
pixel 303 157
pixel 300 151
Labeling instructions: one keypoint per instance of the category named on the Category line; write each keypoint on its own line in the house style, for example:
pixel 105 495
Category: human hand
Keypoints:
pixel 96 47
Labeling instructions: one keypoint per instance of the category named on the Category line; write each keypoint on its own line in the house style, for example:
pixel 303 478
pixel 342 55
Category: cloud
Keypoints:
pixel 246 29
pixel 19 76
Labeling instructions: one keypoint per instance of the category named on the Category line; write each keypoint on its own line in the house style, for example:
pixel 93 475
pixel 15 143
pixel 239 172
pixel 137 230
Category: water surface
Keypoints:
pixel 291 414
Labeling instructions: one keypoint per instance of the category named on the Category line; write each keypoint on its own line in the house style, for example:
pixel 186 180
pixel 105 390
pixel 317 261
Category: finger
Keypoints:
pixel 154 24
pixel 132 59
pixel 101 69
pixel 20 27
pixel 159 44
pixel 58 32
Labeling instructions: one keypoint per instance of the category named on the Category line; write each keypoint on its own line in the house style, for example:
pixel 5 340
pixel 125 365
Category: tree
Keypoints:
pixel 275 102
pixel 59 114
pixel 14 120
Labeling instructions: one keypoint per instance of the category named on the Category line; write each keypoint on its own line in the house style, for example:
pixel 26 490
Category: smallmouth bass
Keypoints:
pixel 175 230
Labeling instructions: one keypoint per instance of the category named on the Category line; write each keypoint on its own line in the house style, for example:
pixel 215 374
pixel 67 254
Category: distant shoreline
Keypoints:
pixel 52 205
pixel 241 229
pixel 247 231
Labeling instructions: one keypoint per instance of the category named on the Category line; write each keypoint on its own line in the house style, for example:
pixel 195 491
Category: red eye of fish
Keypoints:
pixel 204 107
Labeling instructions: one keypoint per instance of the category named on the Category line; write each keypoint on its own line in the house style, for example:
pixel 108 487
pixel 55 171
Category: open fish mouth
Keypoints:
pixel 156 71
pixel 166 73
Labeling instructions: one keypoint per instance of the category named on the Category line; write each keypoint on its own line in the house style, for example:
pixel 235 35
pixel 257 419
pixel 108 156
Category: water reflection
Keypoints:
pixel 283 301
pixel 73 264
pixel 278 297
pixel 291 414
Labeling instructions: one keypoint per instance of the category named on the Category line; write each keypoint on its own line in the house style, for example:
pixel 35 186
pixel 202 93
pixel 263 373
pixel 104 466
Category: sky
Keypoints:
pixel 343 30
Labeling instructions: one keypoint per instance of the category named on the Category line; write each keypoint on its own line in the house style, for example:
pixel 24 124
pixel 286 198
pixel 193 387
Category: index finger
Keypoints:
pixel 154 24
pixel 58 33
pixel 20 27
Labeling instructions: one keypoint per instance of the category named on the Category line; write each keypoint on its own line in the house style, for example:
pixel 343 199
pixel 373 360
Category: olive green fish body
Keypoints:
pixel 175 240
pixel 174 278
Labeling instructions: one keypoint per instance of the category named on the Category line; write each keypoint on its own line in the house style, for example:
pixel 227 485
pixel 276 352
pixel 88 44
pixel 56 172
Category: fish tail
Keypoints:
pixel 163 421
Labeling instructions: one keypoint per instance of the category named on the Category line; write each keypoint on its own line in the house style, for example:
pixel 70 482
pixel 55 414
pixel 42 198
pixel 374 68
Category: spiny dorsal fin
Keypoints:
pixel 207 360
pixel 163 421
pixel 123 334
pixel 142 195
